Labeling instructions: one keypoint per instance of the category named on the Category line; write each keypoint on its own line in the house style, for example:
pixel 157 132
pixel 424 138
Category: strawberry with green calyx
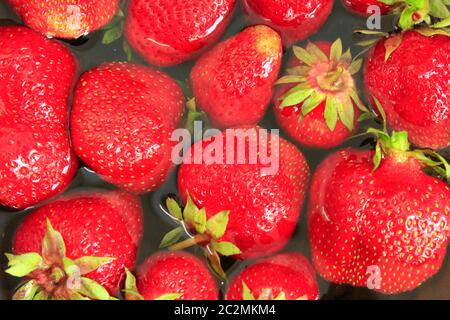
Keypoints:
pixel 377 219
pixel 408 74
pixel 207 232
pixel 286 276
pixel 317 103
pixel 245 207
pixel 171 276
pixel 89 223
pixel 53 275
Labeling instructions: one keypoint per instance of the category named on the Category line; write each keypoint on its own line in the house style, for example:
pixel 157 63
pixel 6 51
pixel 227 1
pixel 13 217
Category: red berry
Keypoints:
pixel 37 74
pixel 263 207
pixel 385 229
pixel 90 225
pixel 361 6
pixel 122 118
pixel 295 20
pixel 65 19
pixel 412 85
pixel 288 274
pixel 233 83
pixel 169 32
pixel 176 272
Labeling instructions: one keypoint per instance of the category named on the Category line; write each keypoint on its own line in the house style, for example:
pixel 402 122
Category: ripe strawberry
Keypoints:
pixel 246 210
pixel 408 73
pixel 316 102
pixel 361 7
pixel 172 276
pixel 387 228
pixel 233 83
pixel 36 76
pixel 169 32
pixel 121 121
pixel 286 276
pixel 65 19
pixel 295 20
pixel 87 225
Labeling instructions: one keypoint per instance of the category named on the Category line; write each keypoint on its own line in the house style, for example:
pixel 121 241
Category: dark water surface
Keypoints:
pixel 91 52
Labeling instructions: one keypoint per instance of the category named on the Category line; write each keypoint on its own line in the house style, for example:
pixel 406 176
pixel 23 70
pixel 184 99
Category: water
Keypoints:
pixel 91 52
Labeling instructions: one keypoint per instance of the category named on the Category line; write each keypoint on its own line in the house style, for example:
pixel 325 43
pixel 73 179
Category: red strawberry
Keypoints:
pixel 385 229
pixel 169 32
pixel 316 104
pixel 240 210
pixel 233 83
pixel 172 276
pixel 361 7
pixel 36 77
pixel 295 20
pixel 65 19
pixel 409 75
pixel 121 121
pixel 287 276
pixel 87 225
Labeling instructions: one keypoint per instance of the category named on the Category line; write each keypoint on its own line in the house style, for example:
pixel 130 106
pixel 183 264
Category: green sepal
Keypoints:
pixel 113 34
pixel 378 155
pixel 438 9
pixel 127 50
pixel 169 296
pixel 391 44
pixel 330 113
pixel 312 102
pixel 41 295
pixel 93 290
pixel 290 79
pixel 246 292
pixel 304 56
pixel 214 262
pixel 336 50
pixel 171 237
pixel 346 113
pixel 22 265
pixel 131 291
pixel 225 248
pixel 53 246
pixel 217 224
pixel 88 264
pixel 281 296
pixel 200 221
pixel 296 95
pixel 174 209
pixel 355 66
pixel 189 212
pixel 315 51
pixel 27 291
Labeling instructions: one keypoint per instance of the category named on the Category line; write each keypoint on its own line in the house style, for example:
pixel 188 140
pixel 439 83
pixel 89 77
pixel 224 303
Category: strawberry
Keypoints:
pixel 376 219
pixel 295 20
pixel 362 7
pixel 36 77
pixel 286 276
pixel 65 19
pixel 172 276
pixel 121 121
pixel 233 206
pixel 408 74
pixel 316 104
pixel 170 32
pixel 81 229
pixel 233 83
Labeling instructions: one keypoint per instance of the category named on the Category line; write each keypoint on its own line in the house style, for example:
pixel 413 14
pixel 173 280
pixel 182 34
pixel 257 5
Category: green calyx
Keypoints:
pixel 266 294
pixel 53 275
pixel 397 144
pixel 202 231
pixel 131 291
pixel 114 30
pixel 321 78
pixel 414 12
